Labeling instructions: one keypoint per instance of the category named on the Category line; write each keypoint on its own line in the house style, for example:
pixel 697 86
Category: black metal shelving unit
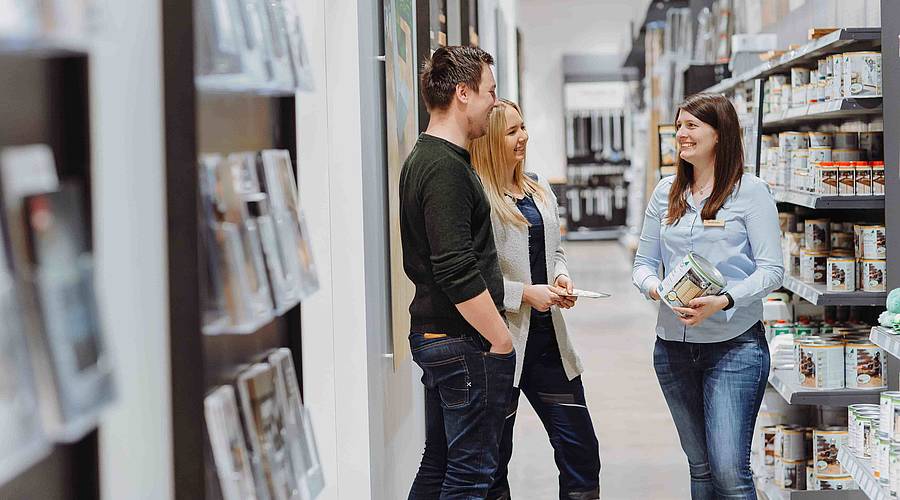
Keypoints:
pixel 203 121
pixel 45 98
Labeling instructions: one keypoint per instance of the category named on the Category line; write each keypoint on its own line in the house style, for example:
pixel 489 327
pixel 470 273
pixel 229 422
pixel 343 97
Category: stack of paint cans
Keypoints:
pixel 792 451
pixel 832 161
pixel 886 439
pixel 870 242
pixel 842 358
pixel 828 473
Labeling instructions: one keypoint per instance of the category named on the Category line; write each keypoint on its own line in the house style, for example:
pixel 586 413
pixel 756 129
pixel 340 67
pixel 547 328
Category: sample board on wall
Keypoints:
pixel 402 128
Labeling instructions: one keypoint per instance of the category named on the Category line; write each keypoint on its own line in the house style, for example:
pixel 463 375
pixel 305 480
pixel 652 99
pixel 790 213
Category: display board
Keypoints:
pixel 401 102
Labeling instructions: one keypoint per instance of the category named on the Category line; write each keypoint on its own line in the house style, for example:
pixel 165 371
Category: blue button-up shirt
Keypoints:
pixel 746 250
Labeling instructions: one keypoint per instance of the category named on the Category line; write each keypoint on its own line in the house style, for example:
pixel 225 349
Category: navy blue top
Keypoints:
pixel 536 253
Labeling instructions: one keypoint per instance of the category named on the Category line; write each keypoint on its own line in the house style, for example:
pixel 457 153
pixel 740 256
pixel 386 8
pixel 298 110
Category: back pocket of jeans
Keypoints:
pixel 452 379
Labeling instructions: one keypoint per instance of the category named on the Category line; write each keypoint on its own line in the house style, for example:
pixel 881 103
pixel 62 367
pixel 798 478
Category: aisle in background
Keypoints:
pixel 639 449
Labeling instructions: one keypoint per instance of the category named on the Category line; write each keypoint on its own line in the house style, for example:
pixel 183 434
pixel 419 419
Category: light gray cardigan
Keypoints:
pixel 512 250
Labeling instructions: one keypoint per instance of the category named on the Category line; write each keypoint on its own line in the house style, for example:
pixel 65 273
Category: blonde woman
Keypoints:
pixel 525 222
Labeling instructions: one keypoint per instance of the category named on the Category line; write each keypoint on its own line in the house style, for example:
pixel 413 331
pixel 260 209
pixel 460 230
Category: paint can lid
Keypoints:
pixel 707 270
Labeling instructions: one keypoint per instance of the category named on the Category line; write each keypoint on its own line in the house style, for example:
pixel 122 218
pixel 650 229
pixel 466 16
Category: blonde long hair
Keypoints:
pixel 491 158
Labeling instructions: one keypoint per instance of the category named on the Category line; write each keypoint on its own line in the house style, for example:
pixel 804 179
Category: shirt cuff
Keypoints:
pixel 649 283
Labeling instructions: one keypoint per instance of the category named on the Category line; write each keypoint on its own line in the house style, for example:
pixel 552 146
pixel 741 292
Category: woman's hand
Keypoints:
pixel 541 297
pixel 654 294
pixel 564 283
pixel 701 308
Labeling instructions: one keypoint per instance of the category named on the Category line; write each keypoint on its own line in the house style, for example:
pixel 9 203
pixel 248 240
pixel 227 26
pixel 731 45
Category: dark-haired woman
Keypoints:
pixel 711 357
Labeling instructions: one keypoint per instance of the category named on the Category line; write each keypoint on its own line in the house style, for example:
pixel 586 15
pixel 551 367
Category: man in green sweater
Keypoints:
pixel 458 335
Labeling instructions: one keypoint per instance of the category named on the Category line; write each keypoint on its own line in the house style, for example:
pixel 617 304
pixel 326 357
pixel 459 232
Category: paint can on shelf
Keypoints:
pixel 845 154
pixel 873 272
pixel 866 366
pixel 693 277
pixel 874 242
pixel 841 273
pixel 826 179
pixel 821 140
pixel 813 266
pixel 863 178
pixel 841 240
pixel 792 440
pixel 846 140
pixel 817 234
pixel 878 177
pixel 791 474
pixel 846 178
pixel 835 483
pixel 861 74
pixel 886 411
pixel 821 364
pixel 827 442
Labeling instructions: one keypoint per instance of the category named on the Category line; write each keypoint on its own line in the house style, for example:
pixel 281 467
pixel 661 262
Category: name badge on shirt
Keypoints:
pixel 713 223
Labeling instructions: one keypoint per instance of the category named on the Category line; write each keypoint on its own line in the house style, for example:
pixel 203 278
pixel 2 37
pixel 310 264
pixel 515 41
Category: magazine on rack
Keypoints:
pixel 281 66
pixel 229 448
pixel 285 288
pixel 58 249
pixel 266 434
pixel 22 439
pixel 220 44
pixel 303 448
pixel 50 248
pixel 277 176
pixel 236 277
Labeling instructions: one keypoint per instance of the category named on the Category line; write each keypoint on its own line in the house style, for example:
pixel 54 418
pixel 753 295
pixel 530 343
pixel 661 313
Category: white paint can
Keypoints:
pixel 863 178
pixel 878 178
pixel 817 234
pixel 826 444
pixel 793 442
pixel 862 74
pixel 845 154
pixel 819 154
pixel 813 266
pixel 821 140
pixel 846 140
pixel 693 277
pixel 873 272
pixel 866 366
pixel 836 483
pixel 874 243
pixel 841 274
pixel 821 365
pixel 886 411
pixel 846 179
pixel 791 474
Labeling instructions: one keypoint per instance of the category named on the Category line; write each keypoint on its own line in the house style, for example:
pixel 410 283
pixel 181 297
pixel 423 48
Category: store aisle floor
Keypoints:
pixel 639 448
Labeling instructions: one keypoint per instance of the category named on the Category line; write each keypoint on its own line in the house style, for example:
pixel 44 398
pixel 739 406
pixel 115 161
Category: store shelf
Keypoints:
pixel 862 474
pixel 841 40
pixel 818 295
pixel 811 200
pixel 884 338
pixel 772 492
pixel 795 395
pixel 848 107
pixel 42 46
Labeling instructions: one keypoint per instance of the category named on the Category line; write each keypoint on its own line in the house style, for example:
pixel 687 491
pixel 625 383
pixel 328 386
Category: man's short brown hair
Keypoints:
pixel 448 67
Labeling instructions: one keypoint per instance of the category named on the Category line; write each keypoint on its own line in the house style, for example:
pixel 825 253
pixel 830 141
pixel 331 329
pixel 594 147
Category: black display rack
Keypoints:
pixel 200 122
pixel 44 95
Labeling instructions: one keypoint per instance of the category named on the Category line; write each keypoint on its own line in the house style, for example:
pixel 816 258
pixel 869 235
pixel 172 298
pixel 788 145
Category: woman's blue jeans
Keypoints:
pixel 714 392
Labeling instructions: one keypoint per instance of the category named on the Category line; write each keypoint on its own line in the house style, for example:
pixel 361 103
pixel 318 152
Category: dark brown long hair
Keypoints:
pixel 716 111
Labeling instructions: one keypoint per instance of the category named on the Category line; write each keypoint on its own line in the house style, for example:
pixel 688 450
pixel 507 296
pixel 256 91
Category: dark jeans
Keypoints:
pixel 714 392
pixel 467 392
pixel 560 404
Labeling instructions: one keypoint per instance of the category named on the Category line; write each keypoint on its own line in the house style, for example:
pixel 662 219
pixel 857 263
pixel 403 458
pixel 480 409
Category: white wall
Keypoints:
pixel 130 246
pixel 487 32
pixel 368 417
pixel 551 29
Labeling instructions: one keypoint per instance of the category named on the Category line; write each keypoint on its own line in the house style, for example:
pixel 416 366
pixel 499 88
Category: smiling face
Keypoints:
pixel 696 139
pixel 480 103
pixel 516 137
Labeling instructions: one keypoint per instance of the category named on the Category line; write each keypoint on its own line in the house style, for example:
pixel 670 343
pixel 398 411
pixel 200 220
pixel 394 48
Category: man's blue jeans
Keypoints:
pixel 714 392
pixel 467 393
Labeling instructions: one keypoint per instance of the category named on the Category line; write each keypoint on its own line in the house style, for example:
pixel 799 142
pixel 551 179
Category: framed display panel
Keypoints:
pixel 200 123
pixel 45 99
pixel 401 100
pixel 431 33
pixel 668 149
pixel 469 18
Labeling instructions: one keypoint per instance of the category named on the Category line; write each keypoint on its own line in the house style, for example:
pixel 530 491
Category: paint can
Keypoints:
pixel 792 440
pixel 835 483
pixel 791 474
pixel 821 140
pixel 827 442
pixel 886 411
pixel 861 74
pixel 827 179
pixel 817 234
pixel 863 178
pixel 846 140
pixel 866 366
pixel 821 364
pixel 873 272
pixel 874 242
pixel 841 274
pixel 841 240
pixel 819 154
pixel 878 178
pixel 813 266
pixel 845 154
pixel 693 277
pixel 846 178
